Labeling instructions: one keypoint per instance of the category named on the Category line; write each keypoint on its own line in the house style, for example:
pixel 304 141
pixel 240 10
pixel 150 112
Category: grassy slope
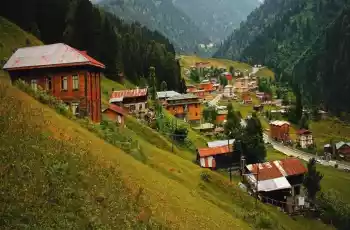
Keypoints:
pixel 68 177
pixel 187 61
pixel 265 72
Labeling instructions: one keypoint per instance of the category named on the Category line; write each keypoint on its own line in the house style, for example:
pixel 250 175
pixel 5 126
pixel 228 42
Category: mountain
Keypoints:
pixel 217 18
pixel 125 48
pixel 304 42
pixel 162 16
pixel 279 31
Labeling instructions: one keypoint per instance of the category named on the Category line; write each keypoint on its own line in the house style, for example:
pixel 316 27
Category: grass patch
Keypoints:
pixel 265 73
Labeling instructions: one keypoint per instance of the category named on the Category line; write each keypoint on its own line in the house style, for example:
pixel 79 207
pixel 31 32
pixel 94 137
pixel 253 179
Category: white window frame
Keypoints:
pixel 34 84
pixel 64 83
pixel 74 106
pixel 75 82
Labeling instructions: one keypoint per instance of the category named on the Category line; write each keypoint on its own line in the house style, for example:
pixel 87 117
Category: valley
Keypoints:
pixel 113 115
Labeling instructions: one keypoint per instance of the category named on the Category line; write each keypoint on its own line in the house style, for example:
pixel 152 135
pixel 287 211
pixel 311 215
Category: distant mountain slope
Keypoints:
pixel 162 16
pixel 217 18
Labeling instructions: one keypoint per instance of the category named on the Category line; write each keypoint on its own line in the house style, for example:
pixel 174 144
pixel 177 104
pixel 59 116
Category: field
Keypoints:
pixel 56 174
pixel 265 72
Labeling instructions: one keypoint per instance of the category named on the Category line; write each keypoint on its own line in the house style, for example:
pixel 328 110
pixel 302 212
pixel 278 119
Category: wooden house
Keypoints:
pixel 67 73
pixel 242 85
pixel 305 138
pixel 215 158
pixel 207 86
pixel 279 130
pixel 115 114
pixel 134 100
pixel 341 148
pixel 277 180
pixel 185 106
pixel 163 95
pixel 191 88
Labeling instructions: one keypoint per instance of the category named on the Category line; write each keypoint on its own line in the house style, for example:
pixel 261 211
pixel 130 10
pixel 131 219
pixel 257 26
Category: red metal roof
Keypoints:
pixel 303 132
pixel 206 152
pixel 293 166
pixel 47 56
pixel 267 170
pixel 116 109
pixel 276 169
pixel 129 93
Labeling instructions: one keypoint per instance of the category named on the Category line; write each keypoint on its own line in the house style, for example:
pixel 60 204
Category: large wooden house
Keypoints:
pixel 185 106
pixel 279 130
pixel 134 100
pixel 67 73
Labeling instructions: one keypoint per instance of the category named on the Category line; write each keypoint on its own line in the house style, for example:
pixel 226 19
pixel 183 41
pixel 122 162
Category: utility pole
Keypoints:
pixel 257 185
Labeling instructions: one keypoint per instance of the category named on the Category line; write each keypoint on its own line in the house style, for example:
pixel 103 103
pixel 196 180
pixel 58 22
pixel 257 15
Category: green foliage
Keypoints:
pixel 223 80
pixel 152 77
pixel 312 180
pixel 210 114
pixel 334 210
pixel 253 142
pixel 304 122
pixel 124 48
pixel 233 128
pixel 264 86
pixel 194 76
pixel 161 16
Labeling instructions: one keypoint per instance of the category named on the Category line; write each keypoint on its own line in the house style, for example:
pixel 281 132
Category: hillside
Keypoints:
pixel 123 48
pixel 162 16
pixel 278 32
pixel 57 174
pixel 217 18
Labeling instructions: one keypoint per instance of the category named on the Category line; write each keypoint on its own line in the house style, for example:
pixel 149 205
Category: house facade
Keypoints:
pixel 242 85
pixel 279 130
pixel 214 158
pixel 229 91
pixel 68 74
pixel 206 86
pixel 279 180
pixel 115 114
pixel 133 100
pixel 305 138
pixel 185 106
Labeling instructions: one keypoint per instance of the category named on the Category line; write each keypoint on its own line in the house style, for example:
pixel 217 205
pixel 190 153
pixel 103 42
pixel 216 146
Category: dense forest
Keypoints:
pixel 162 16
pixel 217 18
pixel 124 48
pixel 282 33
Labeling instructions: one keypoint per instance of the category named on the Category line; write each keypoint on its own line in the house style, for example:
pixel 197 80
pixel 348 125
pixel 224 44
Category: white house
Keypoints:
pixel 305 138
pixel 229 91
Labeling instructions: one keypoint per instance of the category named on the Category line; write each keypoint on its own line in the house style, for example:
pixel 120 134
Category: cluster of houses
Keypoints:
pixel 278 181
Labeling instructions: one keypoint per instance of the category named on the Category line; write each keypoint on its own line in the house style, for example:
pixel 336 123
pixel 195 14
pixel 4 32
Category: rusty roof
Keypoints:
pixel 293 166
pixel 276 169
pixel 303 132
pixel 116 109
pixel 46 56
pixel 121 94
pixel 206 152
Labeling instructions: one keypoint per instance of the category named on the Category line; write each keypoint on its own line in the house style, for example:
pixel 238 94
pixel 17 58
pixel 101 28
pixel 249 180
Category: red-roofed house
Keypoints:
pixel 279 130
pixel 216 157
pixel 305 138
pixel 115 113
pixel 66 73
pixel 134 100
pixel 277 180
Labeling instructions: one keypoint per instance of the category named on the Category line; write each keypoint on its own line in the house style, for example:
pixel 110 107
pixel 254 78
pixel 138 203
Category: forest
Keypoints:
pixel 128 49
pixel 304 42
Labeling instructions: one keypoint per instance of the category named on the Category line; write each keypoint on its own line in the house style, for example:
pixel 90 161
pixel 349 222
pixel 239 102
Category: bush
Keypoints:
pixel 205 176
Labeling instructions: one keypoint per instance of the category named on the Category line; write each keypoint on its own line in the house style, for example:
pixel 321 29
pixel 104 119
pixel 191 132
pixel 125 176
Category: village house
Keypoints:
pixel 185 106
pixel 221 117
pixel 279 180
pixel 219 143
pixel 247 99
pixel 68 74
pixel 206 85
pixel 206 128
pixel 199 93
pixel 115 114
pixel 252 85
pixel 163 95
pixel 305 138
pixel 215 158
pixel 263 97
pixel 341 148
pixel 229 91
pixel 191 88
pixel 242 85
pixel 134 100
pixel 279 130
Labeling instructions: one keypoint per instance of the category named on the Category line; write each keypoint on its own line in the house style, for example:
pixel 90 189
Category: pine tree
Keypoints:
pixel 312 180
pixel 233 127
pixel 163 86
pixel 152 78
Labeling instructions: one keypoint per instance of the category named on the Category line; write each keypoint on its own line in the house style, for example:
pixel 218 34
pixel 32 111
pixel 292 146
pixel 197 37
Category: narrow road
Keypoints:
pixel 216 100
pixel 300 154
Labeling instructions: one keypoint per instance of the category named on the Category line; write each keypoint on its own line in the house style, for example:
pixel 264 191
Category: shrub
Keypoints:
pixel 263 222
pixel 205 176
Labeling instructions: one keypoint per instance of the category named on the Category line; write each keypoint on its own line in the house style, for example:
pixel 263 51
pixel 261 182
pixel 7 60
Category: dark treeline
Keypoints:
pixel 282 33
pixel 124 48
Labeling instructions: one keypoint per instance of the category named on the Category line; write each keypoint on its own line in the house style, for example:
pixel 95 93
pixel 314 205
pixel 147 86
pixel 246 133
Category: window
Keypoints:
pixel 64 83
pixel 75 79
pixel 75 108
pixel 34 84
pixel 48 83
